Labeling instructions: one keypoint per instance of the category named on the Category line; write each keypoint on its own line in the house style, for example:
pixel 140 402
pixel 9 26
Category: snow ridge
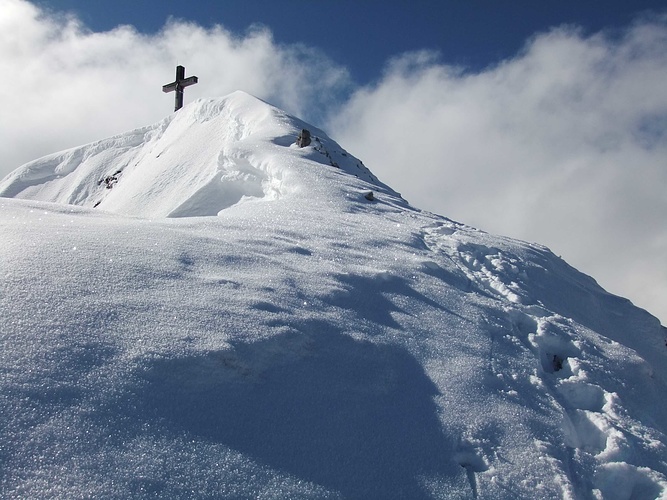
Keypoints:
pixel 211 155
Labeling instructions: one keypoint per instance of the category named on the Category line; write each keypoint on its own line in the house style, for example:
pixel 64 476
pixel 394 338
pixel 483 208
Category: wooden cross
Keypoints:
pixel 178 85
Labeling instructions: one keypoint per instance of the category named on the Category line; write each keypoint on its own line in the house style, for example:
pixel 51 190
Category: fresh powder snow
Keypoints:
pixel 202 309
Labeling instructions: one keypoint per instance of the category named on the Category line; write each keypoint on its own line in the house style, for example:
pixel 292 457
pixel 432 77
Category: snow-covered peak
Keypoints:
pixel 210 155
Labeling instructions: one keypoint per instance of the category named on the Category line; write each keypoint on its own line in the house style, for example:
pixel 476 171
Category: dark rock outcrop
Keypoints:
pixel 303 139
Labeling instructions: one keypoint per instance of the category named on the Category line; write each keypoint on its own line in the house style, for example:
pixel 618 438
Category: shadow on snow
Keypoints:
pixel 354 416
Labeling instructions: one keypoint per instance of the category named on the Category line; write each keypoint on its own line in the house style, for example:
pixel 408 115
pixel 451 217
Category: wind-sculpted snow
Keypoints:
pixel 306 342
pixel 211 155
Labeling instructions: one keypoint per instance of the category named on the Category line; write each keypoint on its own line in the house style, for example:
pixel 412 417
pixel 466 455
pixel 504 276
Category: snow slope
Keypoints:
pixel 306 342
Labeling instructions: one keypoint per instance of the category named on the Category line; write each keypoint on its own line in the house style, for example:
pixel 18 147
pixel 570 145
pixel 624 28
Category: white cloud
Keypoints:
pixel 565 145
pixel 65 85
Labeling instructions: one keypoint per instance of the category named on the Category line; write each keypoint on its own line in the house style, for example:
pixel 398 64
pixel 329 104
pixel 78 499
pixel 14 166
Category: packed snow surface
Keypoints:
pixel 201 309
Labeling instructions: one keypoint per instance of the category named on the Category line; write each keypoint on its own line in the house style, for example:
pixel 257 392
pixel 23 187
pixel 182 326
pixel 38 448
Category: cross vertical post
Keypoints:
pixel 178 85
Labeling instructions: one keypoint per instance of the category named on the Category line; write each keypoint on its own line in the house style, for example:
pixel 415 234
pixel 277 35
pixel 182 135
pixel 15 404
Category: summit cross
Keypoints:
pixel 178 85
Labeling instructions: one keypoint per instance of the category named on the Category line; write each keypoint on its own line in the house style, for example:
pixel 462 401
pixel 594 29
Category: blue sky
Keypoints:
pixel 364 34
pixel 544 121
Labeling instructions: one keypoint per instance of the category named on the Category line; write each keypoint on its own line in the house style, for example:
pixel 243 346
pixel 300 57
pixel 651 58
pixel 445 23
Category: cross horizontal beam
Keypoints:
pixel 170 87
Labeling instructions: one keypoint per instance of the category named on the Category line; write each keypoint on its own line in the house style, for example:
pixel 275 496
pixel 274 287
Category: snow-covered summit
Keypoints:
pixel 300 338
pixel 212 154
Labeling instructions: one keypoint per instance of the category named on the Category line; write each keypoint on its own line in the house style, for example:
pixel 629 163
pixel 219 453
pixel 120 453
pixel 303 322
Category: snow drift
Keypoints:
pixel 202 309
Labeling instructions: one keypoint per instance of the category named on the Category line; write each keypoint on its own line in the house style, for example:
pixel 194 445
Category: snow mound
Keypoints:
pixel 211 155
pixel 261 327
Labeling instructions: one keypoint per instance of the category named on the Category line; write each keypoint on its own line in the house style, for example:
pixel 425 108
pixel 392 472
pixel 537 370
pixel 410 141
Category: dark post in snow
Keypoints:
pixel 178 85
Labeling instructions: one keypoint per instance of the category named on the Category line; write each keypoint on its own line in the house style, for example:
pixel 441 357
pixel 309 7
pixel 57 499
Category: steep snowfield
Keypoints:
pixel 306 342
